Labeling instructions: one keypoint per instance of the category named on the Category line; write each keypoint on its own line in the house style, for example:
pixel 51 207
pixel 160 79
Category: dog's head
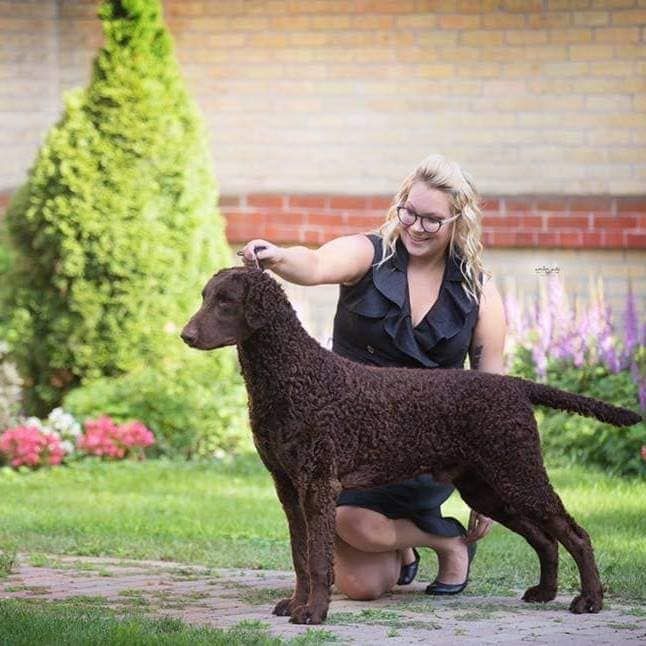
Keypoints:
pixel 235 304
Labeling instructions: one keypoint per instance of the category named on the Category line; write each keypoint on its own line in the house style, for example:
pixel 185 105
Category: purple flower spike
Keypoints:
pixel 631 326
pixel 514 316
pixel 609 357
pixel 540 360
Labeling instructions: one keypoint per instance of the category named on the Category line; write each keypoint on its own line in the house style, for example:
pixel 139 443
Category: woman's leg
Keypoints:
pixel 364 576
pixel 368 554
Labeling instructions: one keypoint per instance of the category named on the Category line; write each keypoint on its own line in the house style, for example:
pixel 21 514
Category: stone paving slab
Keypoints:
pixel 224 597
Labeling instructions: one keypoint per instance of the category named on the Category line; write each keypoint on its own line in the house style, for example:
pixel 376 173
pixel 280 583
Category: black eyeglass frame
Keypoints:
pixel 424 218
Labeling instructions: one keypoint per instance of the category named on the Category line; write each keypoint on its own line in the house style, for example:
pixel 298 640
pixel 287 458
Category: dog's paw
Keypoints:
pixel 308 614
pixel 586 603
pixel 537 594
pixel 284 607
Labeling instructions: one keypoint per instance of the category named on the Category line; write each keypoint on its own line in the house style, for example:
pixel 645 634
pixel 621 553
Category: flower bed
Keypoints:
pixel 35 443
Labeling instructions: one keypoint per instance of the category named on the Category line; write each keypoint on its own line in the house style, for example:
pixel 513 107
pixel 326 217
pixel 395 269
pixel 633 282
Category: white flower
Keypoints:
pixel 75 430
pixel 55 413
pixel 33 421
pixel 67 446
pixel 64 423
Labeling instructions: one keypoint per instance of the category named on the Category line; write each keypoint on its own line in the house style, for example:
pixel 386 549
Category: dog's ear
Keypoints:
pixel 257 302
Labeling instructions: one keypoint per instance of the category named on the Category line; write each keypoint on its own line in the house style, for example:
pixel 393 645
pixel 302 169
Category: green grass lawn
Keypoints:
pixel 227 515
pixel 64 623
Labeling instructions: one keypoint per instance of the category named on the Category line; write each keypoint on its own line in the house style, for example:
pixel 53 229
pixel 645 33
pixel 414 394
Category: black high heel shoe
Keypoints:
pixel 438 588
pixel 409 572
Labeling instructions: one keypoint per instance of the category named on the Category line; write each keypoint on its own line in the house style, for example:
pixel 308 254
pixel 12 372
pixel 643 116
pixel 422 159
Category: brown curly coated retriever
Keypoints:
pixel 322 423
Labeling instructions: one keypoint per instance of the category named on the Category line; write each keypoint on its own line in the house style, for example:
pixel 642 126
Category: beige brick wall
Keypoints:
pixel 29 84
pixel 531 96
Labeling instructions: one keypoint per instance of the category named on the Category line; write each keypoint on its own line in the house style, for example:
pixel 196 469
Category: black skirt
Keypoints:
pixel 418 499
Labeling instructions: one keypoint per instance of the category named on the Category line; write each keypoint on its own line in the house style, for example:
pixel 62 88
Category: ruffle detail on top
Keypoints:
pixel 444 320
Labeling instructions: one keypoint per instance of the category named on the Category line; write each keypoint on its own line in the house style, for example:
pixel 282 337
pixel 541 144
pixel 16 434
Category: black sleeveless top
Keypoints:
pixel 373 322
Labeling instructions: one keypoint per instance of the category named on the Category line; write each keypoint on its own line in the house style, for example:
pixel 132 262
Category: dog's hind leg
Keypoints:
pixel 577 542
pixel 545 509
pixel 480 497
pixel 548 554
pixel 511 463
pixel 522 483
pixel 288 497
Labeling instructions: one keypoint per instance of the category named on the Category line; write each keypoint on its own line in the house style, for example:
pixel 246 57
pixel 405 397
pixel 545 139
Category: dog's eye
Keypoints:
pixel 223 299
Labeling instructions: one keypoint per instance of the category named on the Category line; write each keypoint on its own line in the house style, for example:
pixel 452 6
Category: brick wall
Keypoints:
pixel 344 97
pixel 508 222
pixel 317 109
pixel 590 222
pixel 539 97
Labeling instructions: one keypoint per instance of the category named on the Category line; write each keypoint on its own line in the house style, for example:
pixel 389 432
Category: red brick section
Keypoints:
pixel 584 222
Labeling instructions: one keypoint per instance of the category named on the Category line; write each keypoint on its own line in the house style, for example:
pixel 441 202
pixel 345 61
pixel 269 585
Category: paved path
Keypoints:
pixel 223 598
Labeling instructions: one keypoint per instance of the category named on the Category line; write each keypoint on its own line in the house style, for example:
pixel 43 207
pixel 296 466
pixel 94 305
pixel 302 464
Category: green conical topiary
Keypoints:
pixel 116 229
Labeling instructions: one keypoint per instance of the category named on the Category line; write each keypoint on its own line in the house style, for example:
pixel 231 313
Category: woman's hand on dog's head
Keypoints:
pixel 267 253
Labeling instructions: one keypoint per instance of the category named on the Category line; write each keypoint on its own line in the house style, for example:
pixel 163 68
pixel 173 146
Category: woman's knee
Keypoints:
pixel 364 576
pixel 358 590
pixel 364 529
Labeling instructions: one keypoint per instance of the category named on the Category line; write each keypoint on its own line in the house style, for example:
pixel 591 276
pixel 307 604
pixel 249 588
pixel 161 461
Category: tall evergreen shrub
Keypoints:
pixel 116 228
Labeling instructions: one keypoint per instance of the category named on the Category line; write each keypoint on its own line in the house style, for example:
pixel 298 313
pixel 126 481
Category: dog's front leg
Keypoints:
pixel 289 499
pixel 319 506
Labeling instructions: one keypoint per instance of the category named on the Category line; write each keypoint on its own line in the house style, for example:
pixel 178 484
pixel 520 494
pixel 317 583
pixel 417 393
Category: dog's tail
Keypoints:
pixel 587 406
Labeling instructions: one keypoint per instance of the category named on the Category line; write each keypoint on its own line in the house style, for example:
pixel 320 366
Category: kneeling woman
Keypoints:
pixel 411 295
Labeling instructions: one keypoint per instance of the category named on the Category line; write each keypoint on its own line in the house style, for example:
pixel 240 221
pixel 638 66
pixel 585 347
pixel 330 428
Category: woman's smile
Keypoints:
pixel 417 240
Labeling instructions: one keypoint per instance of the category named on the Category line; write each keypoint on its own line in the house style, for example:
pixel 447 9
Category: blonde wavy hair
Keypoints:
pixel 435 171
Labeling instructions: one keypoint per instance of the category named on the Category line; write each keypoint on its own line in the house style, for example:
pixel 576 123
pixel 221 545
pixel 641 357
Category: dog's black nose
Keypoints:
pixel 189 337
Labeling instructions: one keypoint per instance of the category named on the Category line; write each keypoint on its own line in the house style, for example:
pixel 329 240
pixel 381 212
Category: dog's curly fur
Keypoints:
pixel 322 423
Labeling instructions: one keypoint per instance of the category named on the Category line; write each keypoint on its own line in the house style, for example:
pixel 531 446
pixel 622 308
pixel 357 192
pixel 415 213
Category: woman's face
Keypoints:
pixel 423 200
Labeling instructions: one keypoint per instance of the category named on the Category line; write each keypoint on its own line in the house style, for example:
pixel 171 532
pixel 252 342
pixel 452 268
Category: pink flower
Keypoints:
pixel 104 438
pixel 30 446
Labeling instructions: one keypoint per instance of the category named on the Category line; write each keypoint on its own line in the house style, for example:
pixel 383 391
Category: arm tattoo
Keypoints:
pixel 476 355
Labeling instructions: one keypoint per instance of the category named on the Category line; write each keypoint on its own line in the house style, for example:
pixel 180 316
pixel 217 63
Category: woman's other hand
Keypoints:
pixel 479 527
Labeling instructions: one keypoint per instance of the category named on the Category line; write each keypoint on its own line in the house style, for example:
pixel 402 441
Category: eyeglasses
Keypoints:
pixel 429 224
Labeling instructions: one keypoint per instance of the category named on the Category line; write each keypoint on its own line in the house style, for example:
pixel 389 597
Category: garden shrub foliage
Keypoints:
pixel 116 228
pixel 583 352
pixel 572 439
pixel 191 408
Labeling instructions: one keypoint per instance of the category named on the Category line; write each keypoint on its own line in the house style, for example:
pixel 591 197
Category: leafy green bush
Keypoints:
pixel 8 559
pixel 116 229
pixel 194 408
pixel 521 363
pixel 569 438
pixel 6 261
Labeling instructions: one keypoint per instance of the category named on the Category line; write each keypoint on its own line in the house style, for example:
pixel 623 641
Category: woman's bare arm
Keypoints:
pixel 488 340
pixel 486 355
pixel 341 260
